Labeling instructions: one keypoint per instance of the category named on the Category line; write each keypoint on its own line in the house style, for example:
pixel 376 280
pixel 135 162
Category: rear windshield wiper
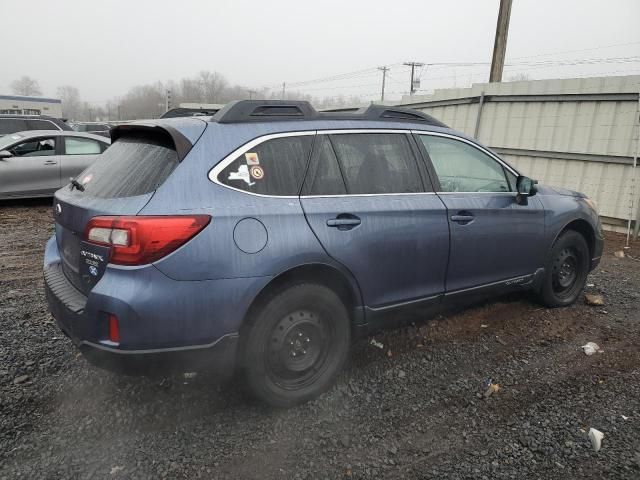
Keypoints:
pixel 77 184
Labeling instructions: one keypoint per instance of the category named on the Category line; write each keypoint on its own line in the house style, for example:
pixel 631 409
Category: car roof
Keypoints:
pixel 57 133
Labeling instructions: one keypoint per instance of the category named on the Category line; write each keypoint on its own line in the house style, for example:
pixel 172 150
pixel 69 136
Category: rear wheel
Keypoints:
pixel 295 344
pixel 566 270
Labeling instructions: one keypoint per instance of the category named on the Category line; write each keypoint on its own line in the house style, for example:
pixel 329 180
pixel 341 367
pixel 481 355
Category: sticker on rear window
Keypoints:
pixel 252 158
pixel 257 172
pixel 242 174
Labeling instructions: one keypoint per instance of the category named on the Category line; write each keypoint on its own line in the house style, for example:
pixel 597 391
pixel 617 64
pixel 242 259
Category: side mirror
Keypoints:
pixel 525 187
pixel 5 154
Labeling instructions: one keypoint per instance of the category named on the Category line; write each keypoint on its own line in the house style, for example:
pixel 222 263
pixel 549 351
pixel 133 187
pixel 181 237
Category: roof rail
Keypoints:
pixel 264 110
pixel 384 112
pixel 242 111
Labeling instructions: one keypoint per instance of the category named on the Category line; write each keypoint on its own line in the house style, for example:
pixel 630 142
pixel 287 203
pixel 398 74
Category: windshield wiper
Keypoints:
pixel 77 184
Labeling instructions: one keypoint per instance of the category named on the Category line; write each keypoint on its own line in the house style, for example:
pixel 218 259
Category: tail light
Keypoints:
pixel 144 239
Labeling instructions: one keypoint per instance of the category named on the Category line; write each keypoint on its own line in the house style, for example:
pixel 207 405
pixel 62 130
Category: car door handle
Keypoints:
pixel 462 219
pixel 50 162
pixel 344 222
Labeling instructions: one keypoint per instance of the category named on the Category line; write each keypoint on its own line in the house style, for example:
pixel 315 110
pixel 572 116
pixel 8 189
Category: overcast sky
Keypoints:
pixel 104 48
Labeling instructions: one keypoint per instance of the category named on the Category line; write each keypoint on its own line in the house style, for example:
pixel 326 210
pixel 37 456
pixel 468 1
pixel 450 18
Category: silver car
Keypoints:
pixel 36 163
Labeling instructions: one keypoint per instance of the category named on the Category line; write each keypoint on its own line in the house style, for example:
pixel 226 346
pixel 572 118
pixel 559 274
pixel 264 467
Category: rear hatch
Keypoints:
pixel 120 182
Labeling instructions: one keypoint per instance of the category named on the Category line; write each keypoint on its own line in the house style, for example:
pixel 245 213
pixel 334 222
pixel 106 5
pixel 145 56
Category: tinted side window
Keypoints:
pixel 41 125
pixel 463 168
pixel 324 177
pixel 12 125
pixel 131 166
pixel 274 167
pixel 81 146
pixel 377 163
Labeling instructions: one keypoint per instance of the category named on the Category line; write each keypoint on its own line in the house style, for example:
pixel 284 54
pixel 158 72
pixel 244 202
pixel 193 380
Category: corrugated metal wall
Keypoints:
pixel 580 134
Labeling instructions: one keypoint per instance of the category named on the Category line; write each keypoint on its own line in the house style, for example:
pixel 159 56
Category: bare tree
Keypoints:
pixel 26 86
pixel 191 91
pixel 212 84
pixel 71 103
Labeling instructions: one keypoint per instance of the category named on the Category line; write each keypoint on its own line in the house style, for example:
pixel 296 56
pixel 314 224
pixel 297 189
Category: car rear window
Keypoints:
pixel 132 165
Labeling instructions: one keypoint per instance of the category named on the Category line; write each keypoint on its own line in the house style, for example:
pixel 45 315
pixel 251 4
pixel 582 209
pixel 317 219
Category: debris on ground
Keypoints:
pixel 20 379
pixel 619 253
pixel 596 437
pixel 493 388
pixel 115 470
pixel 594 299
pixel 375 343
pixel 484 325
pixel 591 348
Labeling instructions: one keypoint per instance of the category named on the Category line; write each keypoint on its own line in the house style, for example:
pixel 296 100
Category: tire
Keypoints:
pixel 295 343
pixel 566 270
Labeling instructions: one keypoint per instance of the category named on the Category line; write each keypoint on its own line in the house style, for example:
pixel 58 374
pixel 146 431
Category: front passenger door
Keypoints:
pixel 34 168
pixel 493 238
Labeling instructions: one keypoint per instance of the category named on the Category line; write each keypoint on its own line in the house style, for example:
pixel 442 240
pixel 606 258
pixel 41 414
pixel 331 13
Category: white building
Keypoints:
pixel 19 105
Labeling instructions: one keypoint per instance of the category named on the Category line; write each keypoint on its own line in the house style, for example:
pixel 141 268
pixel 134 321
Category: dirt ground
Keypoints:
pixel 413 409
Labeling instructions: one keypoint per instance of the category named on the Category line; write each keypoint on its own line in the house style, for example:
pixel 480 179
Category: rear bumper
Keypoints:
pixel 218 357
pixel 165 325
pixel 68 308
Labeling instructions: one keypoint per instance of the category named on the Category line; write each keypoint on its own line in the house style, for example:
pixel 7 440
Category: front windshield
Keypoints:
pixel 9 139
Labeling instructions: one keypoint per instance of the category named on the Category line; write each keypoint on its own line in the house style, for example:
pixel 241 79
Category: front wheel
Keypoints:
pixel 295 344
pixel 566 270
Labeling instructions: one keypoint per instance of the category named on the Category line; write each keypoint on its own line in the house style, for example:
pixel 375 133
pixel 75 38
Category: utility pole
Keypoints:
pixel 500 42
pixel 384 70
pixel 283 90
pixel 251 92
pixel 413 66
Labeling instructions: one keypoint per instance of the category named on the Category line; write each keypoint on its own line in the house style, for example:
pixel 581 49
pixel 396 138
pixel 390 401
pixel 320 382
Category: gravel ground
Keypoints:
pixel 413 409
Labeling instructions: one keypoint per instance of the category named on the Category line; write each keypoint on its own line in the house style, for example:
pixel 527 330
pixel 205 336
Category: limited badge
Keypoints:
pixel 257 172
pixel 252 158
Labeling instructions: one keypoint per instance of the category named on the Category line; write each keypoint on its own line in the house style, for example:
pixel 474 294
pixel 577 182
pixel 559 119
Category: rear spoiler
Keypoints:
pixel 181 144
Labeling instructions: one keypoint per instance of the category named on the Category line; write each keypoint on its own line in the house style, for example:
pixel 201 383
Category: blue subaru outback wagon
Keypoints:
pixel 264 238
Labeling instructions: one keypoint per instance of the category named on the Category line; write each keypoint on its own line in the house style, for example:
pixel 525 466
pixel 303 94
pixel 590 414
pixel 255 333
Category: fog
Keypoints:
pixel 105 48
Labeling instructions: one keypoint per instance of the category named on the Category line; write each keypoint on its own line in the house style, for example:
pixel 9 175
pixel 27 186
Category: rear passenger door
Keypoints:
pixel 371 205
pixel 493 238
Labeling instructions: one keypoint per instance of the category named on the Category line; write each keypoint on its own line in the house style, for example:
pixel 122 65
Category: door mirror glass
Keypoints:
pixel 5 154
pixel 526 186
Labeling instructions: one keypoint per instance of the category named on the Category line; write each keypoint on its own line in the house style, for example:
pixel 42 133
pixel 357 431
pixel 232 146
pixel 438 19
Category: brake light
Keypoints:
pixel 144 239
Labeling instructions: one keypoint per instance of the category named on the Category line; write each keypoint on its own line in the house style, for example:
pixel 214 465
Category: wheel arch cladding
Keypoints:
pixel 585 229
pixel 318 273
